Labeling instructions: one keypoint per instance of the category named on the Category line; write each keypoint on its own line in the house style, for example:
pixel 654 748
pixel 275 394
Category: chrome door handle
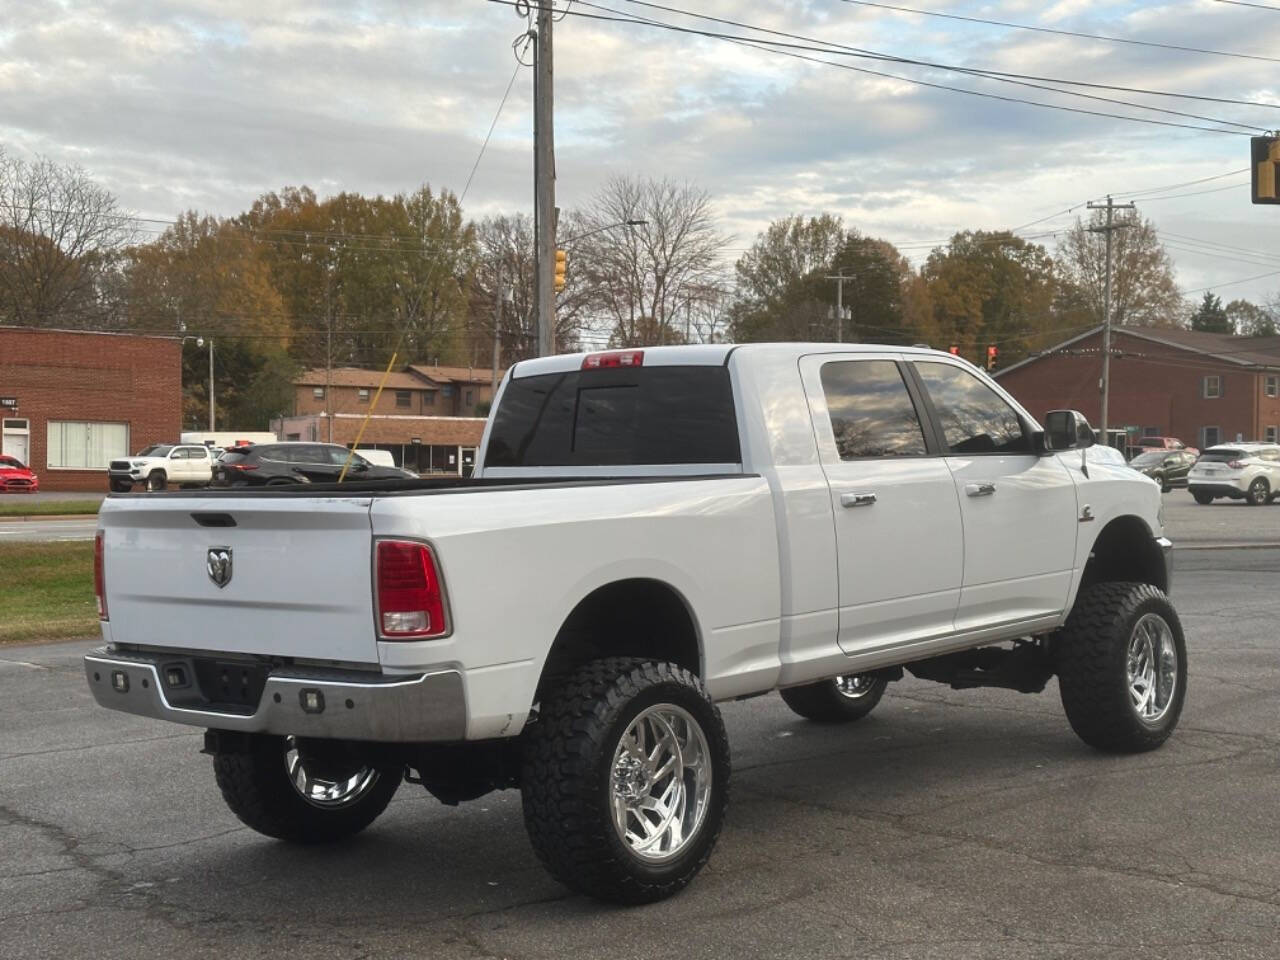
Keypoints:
pixel 979 489
pixel 857 499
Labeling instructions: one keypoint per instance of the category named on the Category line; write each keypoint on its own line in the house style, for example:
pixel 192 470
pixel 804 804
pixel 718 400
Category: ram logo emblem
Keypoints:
pixel 218 563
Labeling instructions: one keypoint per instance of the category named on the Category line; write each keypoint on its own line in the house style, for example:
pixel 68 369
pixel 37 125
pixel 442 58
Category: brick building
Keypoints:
pixel 1203 388
pixel 430 418
pixel 71 401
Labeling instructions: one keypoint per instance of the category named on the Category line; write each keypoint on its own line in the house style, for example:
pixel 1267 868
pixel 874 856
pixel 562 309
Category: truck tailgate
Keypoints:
pixel 298 581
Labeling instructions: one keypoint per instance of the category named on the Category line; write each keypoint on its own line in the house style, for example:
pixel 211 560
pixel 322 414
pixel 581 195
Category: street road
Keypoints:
pixel 44 530
pixel 946 825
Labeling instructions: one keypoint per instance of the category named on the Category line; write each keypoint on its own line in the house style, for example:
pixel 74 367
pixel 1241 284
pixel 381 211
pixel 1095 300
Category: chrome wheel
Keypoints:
pixel 855 686
pixel 1152 668
pixel 326 792
pixel 660 783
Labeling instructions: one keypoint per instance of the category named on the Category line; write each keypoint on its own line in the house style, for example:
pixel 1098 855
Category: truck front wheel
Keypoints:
pixel 305 791
pixel 1121 661
pixel 838 700
pixel 625 780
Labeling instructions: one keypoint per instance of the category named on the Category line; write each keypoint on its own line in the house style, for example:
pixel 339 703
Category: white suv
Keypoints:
pixel 1241 471
pixel 158 466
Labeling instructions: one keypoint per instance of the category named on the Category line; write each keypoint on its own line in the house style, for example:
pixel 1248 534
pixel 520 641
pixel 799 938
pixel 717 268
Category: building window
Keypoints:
pixel 293 437
pixel 363 394
pixel 468 399
pixel 318 393
pixel 446 390
pixel 429 399
pixel 1273 435
pixel 1212 387
pixel 402 398
pixel 1151 431
pixel 76 445
pixel 1210 437
pixel 1272 387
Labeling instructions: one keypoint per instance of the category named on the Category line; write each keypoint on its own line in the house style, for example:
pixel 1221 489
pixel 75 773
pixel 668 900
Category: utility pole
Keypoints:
pixel 544 176
pixel 211 385
pixel 840 281
pixel 1110 206
pixel 497 332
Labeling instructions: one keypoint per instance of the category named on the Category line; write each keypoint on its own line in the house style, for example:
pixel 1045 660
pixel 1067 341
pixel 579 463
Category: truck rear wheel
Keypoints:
pixel 305 791
pixel 625 780
pixel 838 700
pixel 1121 660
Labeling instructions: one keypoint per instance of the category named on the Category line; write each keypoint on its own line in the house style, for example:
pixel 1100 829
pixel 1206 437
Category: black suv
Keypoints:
pixel 266 464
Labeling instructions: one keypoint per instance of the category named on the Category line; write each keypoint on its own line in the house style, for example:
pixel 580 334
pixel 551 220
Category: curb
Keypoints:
pixel 1227 546
pixel 51 517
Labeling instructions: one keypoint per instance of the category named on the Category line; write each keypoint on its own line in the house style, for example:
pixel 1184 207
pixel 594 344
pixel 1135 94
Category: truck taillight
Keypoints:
pixel 410 600
pixel 614 358
pixel 99 578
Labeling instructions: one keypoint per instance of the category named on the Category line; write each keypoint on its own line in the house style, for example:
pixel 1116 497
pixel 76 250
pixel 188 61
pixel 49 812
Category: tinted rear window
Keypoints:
pixel 650 415
pixel 1222 456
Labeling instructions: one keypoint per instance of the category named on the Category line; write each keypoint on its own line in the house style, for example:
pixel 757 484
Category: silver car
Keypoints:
pixel 1241 471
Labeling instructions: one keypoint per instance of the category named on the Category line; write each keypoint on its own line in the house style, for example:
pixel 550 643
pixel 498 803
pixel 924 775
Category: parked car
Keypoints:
pixel 379 458
pixel 646 532
pixel 1164 443
pixel 293 462
pixel 1241 471
pixel 159 465
pixel 1168 468
pixel 16 477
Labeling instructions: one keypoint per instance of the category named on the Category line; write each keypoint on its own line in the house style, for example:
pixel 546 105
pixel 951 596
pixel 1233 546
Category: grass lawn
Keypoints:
pixel 23 506
pixel 46 591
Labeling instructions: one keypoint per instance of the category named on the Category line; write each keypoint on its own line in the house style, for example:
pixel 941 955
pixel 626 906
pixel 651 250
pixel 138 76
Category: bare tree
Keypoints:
pixel 640 277
pixel 1143 289
pixel 60 234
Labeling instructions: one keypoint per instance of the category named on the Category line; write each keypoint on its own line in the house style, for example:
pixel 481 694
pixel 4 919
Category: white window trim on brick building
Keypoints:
pixel 1271 386
pixel 1216 381
pixel 1272 434
pixel 1204 437
pixel 85 445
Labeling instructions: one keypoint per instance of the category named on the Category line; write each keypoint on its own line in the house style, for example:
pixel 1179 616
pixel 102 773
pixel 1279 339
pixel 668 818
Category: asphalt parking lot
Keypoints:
pixel 947 824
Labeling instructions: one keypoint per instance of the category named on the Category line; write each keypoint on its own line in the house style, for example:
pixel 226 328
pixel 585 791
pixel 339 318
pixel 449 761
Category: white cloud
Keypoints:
pixel 207 103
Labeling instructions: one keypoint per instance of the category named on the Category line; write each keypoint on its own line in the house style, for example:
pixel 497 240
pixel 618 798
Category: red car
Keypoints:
pixel 16 478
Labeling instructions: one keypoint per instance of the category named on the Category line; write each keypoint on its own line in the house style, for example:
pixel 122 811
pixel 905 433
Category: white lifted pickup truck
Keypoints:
pixel 647 532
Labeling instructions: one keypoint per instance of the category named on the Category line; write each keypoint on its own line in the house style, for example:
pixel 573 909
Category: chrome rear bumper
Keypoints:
pixel 330 705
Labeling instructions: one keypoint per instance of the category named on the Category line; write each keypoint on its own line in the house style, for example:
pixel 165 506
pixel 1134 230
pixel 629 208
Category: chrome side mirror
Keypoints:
pixel 1068 430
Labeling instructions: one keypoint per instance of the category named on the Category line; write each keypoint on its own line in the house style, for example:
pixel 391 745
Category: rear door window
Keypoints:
pixel 616 416
pixel 871 411
pixel 974 418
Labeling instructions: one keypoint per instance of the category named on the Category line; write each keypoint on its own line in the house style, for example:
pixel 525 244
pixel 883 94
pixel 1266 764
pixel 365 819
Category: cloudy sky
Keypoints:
pixel 178 104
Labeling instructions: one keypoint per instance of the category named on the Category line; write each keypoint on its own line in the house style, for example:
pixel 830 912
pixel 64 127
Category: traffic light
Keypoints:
pixel 562 260
pixel 954 351
pixel 1266 169
pixel 992 354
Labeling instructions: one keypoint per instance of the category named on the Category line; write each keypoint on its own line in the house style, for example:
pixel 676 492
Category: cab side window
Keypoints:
pixel 872 414
pixel 974 418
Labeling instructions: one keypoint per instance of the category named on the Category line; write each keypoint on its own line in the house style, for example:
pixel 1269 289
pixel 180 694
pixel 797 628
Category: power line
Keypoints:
pixel 828 46
pixel 1179 186
pixel 788 49
pixel 1065 33
pixel 1256 6
pixel 1232 283
pixel 502 103
pixel 1194 193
